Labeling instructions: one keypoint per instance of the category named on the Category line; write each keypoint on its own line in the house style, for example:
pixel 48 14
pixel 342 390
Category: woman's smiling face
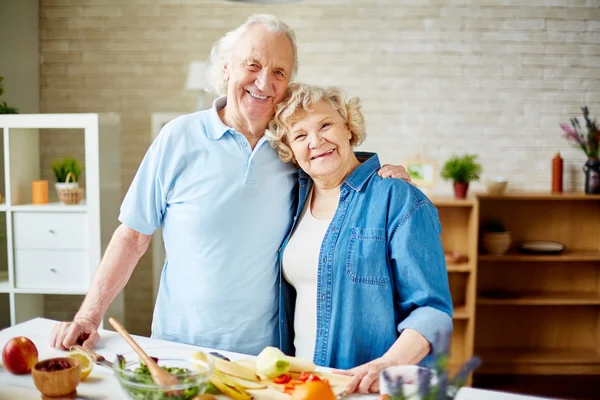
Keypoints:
pixel 320 141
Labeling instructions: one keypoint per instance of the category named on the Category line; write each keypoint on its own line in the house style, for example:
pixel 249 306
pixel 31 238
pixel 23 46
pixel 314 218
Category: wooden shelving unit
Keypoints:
pixel 459 219
pixel 539 314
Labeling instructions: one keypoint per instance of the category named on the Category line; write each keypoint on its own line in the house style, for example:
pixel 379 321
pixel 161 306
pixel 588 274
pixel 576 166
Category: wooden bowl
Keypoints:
pixel 57 383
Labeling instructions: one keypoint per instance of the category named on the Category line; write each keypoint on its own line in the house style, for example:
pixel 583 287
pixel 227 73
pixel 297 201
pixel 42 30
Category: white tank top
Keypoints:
pixel 300 266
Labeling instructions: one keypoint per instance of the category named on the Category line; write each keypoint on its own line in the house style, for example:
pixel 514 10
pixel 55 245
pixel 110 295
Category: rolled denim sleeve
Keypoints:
pixel 423 299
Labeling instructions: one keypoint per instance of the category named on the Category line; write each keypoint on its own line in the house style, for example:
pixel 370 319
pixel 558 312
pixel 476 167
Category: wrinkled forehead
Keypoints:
pixel 267 47
pixel 310 113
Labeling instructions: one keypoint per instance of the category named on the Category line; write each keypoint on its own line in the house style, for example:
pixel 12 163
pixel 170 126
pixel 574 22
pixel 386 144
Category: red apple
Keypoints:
pixel 19 355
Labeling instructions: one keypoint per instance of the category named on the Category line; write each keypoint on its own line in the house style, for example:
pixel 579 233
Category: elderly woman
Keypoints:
pixel 365 283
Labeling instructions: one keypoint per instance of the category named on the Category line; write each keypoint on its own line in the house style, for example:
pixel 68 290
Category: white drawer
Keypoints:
pixel 40 269
pixel 35 230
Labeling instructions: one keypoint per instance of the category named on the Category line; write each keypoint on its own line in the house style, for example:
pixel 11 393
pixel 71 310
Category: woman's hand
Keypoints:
pixel 366 376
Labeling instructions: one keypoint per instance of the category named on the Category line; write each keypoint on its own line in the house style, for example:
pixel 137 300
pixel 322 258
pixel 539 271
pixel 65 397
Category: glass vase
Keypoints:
pixel 592 176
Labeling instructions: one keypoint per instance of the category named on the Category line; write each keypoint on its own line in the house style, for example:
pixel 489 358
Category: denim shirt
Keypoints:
pixel 381 270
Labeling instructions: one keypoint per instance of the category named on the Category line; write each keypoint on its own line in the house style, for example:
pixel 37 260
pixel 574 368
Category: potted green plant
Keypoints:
pixel 461 170
pixel 4 108
pixel 67 171
pixel 495 238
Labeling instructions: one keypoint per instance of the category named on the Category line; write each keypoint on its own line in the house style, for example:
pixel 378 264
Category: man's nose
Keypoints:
pixel 262 81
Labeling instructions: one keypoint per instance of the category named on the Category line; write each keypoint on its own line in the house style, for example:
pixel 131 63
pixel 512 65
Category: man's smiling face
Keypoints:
pixel 258 73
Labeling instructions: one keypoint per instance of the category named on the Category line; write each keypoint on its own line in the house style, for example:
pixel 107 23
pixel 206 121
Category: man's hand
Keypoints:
pixel 394 171
pixel 366 376
pixel 81 331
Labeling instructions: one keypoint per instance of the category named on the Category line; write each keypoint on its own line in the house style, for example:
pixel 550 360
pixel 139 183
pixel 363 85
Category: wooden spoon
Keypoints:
pixel 159 375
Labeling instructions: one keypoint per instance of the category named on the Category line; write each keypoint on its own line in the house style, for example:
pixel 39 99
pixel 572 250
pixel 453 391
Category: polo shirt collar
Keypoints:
pixel 216 127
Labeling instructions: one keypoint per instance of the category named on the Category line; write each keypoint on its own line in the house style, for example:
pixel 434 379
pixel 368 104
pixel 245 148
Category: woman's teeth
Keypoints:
pixel 256 96
pixel 324 154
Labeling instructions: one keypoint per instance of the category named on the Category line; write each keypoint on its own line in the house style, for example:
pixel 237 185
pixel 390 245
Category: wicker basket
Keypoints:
pixel 70 195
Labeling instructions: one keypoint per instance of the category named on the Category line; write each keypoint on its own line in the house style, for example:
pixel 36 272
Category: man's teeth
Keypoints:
pixel 257 96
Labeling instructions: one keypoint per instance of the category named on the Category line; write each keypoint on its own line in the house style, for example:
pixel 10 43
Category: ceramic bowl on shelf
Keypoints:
pixel 496 185
pixel 56 377
pixel 541 247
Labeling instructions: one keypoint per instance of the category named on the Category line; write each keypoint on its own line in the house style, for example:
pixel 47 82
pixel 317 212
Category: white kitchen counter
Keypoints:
pixel 101 385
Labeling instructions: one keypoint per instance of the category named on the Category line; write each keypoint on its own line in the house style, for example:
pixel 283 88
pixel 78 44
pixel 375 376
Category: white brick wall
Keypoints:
pixel 494 77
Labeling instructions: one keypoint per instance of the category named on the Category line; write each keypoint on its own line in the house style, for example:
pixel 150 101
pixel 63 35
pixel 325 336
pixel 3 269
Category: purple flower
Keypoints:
pixel 441 343
pixel 570 134
pixel 395 385
pixel 424 380
pixel 442 389
pixel 461 376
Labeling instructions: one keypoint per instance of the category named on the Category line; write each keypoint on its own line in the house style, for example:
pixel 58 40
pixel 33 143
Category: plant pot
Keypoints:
pixel 592 176
pixel 460 189
pixel 69 193
pixel 496 243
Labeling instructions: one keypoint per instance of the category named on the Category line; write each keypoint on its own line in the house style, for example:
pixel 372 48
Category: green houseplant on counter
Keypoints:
pixel 67 171
pixel 461 170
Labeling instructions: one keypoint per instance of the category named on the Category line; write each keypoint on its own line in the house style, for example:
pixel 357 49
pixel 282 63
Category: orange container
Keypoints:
pixel 39 192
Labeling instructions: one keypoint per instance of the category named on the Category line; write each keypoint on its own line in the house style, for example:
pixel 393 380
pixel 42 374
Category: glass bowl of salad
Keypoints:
pixel 137 383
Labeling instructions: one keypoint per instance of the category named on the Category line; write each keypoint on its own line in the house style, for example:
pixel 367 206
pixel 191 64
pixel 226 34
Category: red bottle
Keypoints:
pixel 557 174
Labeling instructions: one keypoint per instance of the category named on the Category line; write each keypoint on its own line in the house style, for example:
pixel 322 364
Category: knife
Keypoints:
pixel 97 358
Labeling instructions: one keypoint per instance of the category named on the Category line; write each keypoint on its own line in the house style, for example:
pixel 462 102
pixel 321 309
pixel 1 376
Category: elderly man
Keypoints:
pixel 224 200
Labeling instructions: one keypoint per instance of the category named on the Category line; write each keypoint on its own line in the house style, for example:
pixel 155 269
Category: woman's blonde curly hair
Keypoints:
pixel 299 97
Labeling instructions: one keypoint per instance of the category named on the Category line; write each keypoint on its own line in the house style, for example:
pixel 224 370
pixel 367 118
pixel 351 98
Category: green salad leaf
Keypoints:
pixel 141 375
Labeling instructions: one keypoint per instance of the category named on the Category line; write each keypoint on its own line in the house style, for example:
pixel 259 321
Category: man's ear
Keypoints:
pixel 226 72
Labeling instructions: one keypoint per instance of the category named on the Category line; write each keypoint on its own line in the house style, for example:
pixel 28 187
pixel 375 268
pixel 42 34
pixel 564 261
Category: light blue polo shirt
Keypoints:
pixel 225 210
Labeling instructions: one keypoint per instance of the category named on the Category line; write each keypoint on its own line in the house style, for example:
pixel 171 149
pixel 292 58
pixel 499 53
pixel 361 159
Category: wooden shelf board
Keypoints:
pixel 541 369
pixel 440 201
pixel 562 257
pixel 460 313
pixel 539 356
pixel 50 207
pixel 462 267
pixel 538 196
pixel 542 299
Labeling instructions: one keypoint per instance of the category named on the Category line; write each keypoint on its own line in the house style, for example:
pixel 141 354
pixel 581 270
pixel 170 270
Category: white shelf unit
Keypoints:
pixel 54 248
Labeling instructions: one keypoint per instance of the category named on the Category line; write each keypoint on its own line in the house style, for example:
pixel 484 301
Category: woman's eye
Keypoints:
pixel 325 125
pixel 280 73
pixel 299 137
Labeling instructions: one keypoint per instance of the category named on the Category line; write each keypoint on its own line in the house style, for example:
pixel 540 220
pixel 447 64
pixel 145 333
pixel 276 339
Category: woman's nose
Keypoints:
pixel 315 140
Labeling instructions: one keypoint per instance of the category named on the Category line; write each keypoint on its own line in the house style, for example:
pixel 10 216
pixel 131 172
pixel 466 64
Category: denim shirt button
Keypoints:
pixel 323 297
pixel 324 259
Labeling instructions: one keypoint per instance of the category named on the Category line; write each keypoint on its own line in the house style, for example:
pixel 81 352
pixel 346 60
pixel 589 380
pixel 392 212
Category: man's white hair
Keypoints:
pixel 222 49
